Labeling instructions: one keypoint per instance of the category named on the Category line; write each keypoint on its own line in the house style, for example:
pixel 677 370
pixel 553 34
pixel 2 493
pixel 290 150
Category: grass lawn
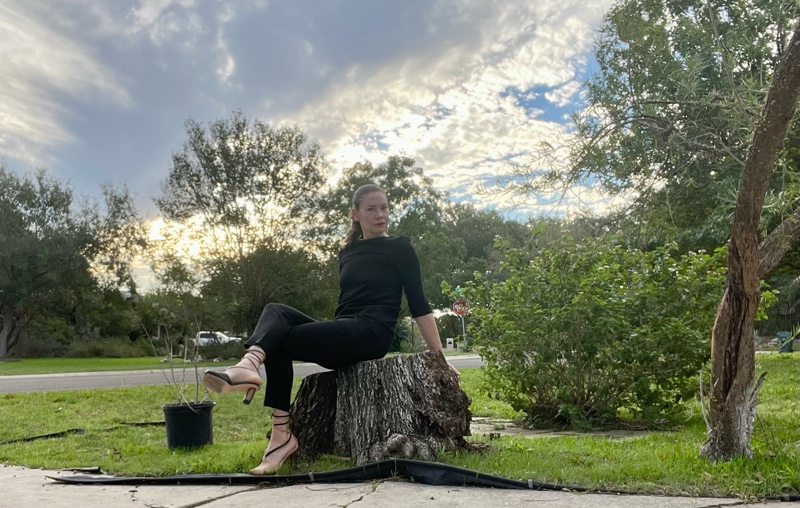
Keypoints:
pixel 659 462
pixel 63 365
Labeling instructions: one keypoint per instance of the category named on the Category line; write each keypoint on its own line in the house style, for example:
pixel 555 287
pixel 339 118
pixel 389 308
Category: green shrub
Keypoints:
pixel 584 331
pixel 230 350
pixel 116 347
pixel 49 338
pixel 43 346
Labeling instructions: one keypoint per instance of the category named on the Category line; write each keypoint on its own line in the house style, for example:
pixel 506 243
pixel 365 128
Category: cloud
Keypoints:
pixel 38 61
pixel 165 21
pixel 579 200
pixel 466 87
pixel 449 106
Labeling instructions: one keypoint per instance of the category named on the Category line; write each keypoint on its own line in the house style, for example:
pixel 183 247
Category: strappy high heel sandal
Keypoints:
pixel 274 459
pixel 242 377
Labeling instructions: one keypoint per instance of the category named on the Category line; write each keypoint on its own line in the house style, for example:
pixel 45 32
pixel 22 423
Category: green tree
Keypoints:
pixel 670 111
pixel 478 230
pixel 235 185
pixel 106 312
pixel 289 275
pixel 236 190
pixel 173 272
pixel 691 117
pixel 734 398
pixel 55 250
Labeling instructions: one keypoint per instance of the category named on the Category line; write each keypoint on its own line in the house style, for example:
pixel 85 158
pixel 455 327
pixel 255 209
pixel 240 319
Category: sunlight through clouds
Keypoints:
pixel 450 108
pixel 100 91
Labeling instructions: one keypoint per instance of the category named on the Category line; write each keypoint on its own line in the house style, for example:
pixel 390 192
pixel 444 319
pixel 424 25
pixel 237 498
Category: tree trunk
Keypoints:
pixel 402 406
pixel 20 325
pixel 6 327
pixel 314 414
pixel 733 396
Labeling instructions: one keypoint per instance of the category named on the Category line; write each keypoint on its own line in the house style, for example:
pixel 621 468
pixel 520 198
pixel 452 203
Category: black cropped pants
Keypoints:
pixel 286 334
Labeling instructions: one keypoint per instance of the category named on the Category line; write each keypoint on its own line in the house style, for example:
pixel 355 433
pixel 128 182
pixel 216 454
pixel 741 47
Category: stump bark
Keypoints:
pixel 407 406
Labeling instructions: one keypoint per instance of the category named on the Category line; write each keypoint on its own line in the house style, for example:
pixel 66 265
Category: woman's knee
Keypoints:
pixel 274 309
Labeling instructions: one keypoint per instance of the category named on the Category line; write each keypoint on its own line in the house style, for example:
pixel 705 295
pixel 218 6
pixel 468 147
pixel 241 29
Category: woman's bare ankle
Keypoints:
pixel 280 432
pixel 278 435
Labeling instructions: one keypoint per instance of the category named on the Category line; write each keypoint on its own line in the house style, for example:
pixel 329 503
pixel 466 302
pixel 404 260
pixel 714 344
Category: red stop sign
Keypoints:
pixel 460 307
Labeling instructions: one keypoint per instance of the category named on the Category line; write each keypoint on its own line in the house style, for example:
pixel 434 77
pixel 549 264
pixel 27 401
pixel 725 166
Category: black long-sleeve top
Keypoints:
pixel 372 276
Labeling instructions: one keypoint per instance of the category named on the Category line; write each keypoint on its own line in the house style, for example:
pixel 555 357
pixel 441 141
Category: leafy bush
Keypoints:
pixel 43 346
pixel 49 338
pixel 233 349
pixel 583 331
pixel 117 347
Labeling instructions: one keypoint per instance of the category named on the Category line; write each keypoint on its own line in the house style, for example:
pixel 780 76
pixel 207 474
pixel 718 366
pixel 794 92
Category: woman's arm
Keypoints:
pixel 430 332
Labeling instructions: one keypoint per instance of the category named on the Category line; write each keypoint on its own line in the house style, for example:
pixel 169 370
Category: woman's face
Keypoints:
pixel 372 214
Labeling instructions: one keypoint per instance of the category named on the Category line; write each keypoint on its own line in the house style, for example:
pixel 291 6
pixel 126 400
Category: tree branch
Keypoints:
pixel 777 243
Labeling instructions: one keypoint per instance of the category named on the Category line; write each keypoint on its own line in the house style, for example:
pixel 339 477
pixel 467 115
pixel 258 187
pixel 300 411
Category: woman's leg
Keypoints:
pixel 282 444
pixel 331 344
pixel 282 335
pixel 275 322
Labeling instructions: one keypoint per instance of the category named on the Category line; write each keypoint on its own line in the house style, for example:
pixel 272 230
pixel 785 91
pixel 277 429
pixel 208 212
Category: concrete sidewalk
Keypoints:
pixel 22 487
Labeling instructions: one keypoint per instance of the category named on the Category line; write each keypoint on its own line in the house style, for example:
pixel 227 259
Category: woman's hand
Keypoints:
pixel 454 369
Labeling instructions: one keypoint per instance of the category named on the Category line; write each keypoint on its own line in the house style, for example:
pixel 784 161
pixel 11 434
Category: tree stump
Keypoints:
pixel 407 406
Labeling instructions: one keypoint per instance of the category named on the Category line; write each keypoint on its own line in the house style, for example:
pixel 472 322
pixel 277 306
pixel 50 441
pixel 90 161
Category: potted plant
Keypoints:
pixel 188 418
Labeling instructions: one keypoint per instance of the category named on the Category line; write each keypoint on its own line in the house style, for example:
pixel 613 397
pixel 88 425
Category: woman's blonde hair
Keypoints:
pixel 355 232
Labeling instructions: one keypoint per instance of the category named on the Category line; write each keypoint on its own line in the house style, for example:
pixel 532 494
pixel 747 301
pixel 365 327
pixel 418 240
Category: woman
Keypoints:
pixel 374 270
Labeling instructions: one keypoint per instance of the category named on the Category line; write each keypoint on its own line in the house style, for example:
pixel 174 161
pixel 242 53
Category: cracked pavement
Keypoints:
pixel 23 487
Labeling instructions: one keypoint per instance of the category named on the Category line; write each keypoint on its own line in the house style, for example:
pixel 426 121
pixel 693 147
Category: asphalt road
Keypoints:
pixel 88 380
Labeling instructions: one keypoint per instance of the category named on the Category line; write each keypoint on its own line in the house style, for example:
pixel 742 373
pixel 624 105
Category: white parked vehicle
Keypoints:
pixel 205 338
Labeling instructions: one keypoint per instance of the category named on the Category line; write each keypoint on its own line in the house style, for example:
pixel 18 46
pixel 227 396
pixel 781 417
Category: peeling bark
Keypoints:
pixel 733 396
pixel 314 415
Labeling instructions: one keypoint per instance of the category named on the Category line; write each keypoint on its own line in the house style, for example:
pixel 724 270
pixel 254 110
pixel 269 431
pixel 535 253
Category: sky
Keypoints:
pixel 99 91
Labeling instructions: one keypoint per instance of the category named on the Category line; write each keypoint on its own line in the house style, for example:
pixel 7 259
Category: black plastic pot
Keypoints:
pixel 189 424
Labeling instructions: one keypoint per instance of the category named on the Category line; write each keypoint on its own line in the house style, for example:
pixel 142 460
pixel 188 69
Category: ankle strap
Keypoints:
pixel 281 423
pixel 260 357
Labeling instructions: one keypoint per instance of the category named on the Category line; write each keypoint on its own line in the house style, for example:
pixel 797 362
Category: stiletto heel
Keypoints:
pixel 239 378
pixel 289 447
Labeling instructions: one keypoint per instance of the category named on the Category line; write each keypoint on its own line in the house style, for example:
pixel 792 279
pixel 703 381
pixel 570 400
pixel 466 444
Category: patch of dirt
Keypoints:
pixel 485 426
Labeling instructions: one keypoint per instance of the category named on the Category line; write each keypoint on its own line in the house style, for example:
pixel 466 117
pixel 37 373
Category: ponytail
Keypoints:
pixel 355 233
